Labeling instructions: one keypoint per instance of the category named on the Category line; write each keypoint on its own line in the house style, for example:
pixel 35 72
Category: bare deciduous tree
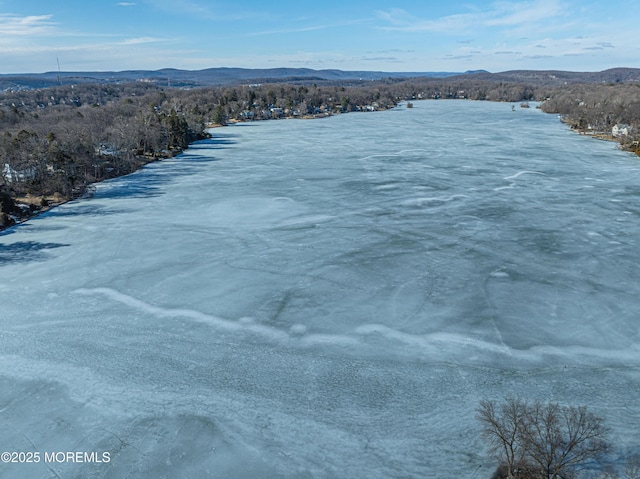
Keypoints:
pixel 632 469
pixel 502 427
pixel 561 439
pixel 547 441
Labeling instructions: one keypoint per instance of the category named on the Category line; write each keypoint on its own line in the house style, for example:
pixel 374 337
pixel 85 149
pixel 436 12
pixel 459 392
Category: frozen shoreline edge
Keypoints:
pixel 88 191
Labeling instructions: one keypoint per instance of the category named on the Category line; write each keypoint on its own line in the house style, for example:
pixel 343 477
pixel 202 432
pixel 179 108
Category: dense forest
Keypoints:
pixel 611 110
pixel 56 141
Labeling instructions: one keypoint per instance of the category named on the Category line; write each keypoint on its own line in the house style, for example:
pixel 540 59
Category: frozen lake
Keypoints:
pixel 325 299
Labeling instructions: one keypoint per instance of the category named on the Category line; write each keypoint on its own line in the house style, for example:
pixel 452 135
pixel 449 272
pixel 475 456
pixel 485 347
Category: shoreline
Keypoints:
pixel 33 203
pixel 35 211
pixel 32 207
pixel 633 147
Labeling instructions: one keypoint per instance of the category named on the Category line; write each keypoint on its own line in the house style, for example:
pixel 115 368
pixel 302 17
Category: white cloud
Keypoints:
pixel 183 7
pixel 14 25
pixel 403 21
pixel 125 4
pixel 500 14
pixel 513 14
pixel 141 40
pixel 288 30
pixel 308 28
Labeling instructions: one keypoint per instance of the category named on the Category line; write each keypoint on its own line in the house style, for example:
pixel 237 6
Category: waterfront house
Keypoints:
pixel 12 175
pixel 620 129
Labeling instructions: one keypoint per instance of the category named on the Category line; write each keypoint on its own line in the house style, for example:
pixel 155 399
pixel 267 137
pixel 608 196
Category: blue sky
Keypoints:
pixel 90 35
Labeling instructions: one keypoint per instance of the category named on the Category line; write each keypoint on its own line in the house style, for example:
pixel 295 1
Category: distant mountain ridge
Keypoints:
pixel 206 77
pixel 539 77
pixel 227 76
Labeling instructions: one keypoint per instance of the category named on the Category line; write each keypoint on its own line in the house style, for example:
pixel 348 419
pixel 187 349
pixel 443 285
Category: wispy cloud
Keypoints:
pixel 205 10
pixel 518 13
pixel 403 21
pixel 459 57
pixel 392 50
pixel 307 28
pixel 125 4
pixel 12 25
pixel 141 40
pixel 188 7
pixel 500 14
pixel 380 59
pixel 282 31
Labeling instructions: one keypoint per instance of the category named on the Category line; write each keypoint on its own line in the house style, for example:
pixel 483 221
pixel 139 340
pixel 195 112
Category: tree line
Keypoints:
pixel 598 108
pixel 56 141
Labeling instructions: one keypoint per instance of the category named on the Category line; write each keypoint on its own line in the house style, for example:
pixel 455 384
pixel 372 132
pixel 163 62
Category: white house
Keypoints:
pixel 11 175
pixel 620 130
pixel 106 150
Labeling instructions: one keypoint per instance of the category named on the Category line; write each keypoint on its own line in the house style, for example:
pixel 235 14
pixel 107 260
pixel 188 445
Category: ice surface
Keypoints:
pixel 325 299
